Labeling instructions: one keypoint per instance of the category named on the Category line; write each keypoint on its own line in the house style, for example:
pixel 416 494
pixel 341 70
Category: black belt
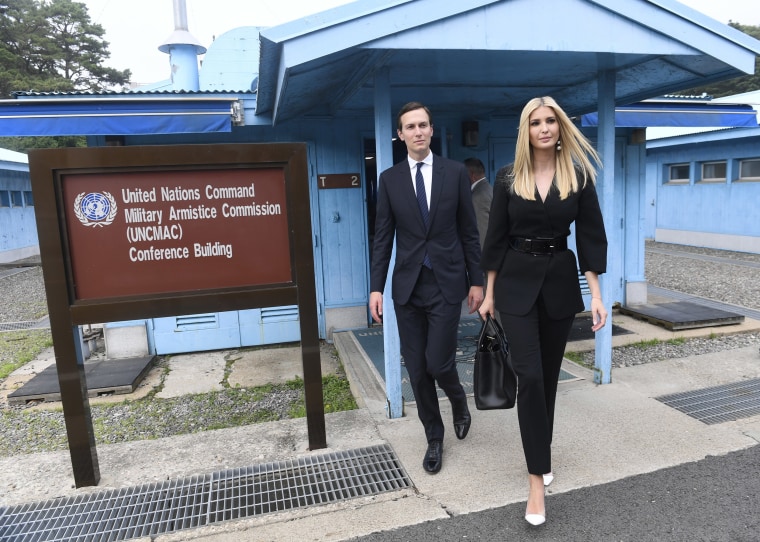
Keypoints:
pixel 539 245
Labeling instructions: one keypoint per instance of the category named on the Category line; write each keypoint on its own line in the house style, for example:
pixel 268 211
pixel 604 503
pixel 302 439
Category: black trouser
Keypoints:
pixel 427 328
pixel 537 346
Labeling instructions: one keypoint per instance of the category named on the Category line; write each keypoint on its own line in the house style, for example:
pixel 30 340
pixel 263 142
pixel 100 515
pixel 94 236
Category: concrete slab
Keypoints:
pixel 641 330
pixel 194 373
pixel 258 367
pixel 692 373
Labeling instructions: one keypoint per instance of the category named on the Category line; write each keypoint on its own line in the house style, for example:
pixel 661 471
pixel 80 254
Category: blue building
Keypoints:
pixel 335 80
pixel 703 184
pixel 18 230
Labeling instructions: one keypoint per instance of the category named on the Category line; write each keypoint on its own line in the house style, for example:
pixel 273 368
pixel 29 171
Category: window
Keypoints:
pixel 749 170
pixel 16 199
pixel 28 198
pixel 5 198
pixel 714 171
pixel 678 173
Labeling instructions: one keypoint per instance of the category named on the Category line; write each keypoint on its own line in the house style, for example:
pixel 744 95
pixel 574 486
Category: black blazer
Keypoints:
pixel 451 240
pixel 522 277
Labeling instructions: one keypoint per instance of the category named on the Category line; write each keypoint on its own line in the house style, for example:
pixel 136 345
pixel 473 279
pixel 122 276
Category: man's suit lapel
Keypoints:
pixel 409 197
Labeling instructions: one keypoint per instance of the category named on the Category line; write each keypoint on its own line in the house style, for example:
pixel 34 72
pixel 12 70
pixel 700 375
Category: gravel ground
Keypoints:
pixel 23 296
pixel 683 271
pixel 27 430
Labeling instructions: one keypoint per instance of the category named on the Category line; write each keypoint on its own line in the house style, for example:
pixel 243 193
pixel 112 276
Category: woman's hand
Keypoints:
pixel 486 307
pixel 598 314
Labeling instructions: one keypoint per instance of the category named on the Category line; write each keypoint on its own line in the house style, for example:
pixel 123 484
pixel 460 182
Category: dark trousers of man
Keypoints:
pixel 427 328
pixel 537 346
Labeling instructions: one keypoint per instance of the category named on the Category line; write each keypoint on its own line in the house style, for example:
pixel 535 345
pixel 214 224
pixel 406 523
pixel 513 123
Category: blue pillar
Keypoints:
pixel 606 191
pixel 384 132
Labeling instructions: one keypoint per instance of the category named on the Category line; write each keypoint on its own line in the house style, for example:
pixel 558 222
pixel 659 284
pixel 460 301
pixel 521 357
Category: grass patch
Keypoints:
pixel 577 357
pixel 147 418
pixel 580 359
pixel 651 343
pixel 336 396
pixel 17 348
pixel 643 345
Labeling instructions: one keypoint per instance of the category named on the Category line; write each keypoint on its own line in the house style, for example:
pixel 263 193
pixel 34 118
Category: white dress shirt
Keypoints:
pixel 427 174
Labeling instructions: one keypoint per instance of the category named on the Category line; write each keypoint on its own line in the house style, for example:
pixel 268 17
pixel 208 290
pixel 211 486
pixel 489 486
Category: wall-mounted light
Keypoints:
pixel 470 133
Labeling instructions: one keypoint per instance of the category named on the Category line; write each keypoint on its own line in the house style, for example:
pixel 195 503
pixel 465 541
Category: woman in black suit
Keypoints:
pixel 533 277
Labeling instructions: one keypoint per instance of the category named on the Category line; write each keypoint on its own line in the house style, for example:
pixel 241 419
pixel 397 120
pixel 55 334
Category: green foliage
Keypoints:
pixel 643 345
pixel 53 46
pixel 576 357
pixel 17 348
pixel 336 396
pixel 25 144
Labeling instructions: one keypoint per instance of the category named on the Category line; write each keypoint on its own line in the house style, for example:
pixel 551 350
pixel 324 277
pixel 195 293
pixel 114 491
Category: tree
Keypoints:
pixel 52 46
pixel 81 49
pixel 738 85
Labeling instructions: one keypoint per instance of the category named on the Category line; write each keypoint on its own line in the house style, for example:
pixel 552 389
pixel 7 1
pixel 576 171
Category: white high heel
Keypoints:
pixel 535 519
pixel 548 478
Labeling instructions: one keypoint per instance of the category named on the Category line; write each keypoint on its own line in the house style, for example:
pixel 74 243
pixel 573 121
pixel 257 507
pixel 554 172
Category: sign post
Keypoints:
pixel 146 232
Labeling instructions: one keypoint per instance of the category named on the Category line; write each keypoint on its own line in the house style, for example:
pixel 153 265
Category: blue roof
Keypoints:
pixel 487 57
pixel 482 58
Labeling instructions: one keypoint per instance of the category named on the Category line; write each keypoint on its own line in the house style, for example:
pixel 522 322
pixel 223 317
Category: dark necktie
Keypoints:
pixel 423 204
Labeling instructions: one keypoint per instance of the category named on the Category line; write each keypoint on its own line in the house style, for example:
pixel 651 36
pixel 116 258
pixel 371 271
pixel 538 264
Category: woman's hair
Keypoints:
pixel 575 152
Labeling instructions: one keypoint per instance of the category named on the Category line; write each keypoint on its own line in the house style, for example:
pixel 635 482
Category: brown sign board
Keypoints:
pixel 144 232
pixel 174 231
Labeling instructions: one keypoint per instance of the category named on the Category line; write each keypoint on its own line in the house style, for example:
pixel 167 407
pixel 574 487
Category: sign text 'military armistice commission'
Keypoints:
pixel 176 231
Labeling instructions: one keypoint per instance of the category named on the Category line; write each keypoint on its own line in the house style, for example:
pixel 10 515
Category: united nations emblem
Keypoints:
pixel 95 208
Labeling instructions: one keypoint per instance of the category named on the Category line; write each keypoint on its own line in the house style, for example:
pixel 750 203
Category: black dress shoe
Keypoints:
pixel 462 423
pixel 433 457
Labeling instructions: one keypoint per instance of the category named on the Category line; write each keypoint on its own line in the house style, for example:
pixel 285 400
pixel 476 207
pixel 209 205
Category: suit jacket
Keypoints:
pixel 451 239
pixel 522 278
pixel 482 195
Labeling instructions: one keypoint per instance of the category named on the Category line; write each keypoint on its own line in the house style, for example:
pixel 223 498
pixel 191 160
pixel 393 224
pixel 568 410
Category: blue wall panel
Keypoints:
pixel 728 207
pixel 18 228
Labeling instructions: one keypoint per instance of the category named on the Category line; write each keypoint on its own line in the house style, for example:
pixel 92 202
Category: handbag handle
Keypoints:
pixel 492 332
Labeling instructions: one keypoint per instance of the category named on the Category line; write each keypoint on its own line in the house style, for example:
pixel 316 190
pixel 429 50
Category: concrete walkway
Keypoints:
pixel 603 433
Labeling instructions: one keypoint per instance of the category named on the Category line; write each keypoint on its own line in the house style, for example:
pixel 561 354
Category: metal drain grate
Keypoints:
pixel 14 326
pixel 720 403
pixel 202 500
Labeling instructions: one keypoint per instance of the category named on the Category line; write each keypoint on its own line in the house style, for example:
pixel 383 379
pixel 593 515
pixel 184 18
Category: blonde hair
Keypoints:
pixel 575 153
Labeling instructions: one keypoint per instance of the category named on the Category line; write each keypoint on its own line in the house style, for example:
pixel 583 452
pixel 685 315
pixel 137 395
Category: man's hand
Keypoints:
pixel 475 298
pixel 376 306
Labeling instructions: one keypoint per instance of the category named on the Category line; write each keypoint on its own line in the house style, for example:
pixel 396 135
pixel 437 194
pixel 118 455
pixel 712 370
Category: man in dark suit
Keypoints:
pixel 482 194
pixel 426 202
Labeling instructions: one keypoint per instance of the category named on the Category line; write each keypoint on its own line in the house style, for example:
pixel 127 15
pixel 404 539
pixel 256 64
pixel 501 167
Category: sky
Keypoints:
pixel 135 28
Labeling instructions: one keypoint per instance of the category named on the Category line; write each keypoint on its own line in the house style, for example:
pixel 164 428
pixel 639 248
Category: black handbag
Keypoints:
pixel 494 381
